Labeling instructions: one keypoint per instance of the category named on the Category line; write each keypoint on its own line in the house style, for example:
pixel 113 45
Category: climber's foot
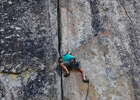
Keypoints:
pixel 86 81
pixel 67 74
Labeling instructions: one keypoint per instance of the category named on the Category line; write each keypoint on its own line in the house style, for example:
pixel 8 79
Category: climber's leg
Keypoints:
pixel 64 67
pixel 83 75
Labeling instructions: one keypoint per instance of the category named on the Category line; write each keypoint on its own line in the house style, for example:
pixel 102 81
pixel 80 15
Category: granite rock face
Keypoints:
pixel 104 36
pixel 28 51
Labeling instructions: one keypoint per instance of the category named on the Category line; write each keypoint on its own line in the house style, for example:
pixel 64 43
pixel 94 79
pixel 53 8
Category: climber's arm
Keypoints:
pixel 69 52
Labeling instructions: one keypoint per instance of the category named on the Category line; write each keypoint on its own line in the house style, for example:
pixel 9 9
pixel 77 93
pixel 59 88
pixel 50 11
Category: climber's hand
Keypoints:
pixel 69 52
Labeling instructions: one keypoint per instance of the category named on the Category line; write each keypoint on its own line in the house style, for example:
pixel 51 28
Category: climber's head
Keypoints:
pixel 60 59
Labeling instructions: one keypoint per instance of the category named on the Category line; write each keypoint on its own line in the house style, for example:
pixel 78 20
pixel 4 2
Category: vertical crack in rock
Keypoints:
pixel 127 14
pixel 59 41
pixel 95 17
pixel 125 11
pixel 130 73
pixel 59 28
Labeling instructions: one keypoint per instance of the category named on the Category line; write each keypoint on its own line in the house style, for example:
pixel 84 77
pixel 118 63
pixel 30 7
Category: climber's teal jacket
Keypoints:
pixel 67 57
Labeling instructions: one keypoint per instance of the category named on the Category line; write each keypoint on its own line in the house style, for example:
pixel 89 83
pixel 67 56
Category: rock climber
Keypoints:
pixel 68 61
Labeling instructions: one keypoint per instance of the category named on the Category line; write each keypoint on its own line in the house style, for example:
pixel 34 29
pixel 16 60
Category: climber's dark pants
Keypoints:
pixel 69 66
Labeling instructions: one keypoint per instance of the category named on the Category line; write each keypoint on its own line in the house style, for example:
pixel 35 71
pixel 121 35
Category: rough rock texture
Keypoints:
pixel 104 36
pixel 28 50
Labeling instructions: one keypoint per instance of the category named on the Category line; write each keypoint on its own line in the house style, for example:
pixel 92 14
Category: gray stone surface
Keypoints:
pixel 27 27
pixel 28 50
pixel 2 91
pixel 104 36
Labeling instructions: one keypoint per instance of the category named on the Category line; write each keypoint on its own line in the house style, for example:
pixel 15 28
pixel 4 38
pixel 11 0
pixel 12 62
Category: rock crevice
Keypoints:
pixel 102 34
pixel 59 42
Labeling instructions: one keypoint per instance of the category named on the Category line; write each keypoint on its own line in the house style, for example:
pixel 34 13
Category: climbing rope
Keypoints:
pixel 88 82
pixel 87 92
pixel 79 71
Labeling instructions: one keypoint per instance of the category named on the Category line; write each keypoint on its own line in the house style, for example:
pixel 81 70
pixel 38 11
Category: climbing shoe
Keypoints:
pixel 67 74
pixel 86 81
